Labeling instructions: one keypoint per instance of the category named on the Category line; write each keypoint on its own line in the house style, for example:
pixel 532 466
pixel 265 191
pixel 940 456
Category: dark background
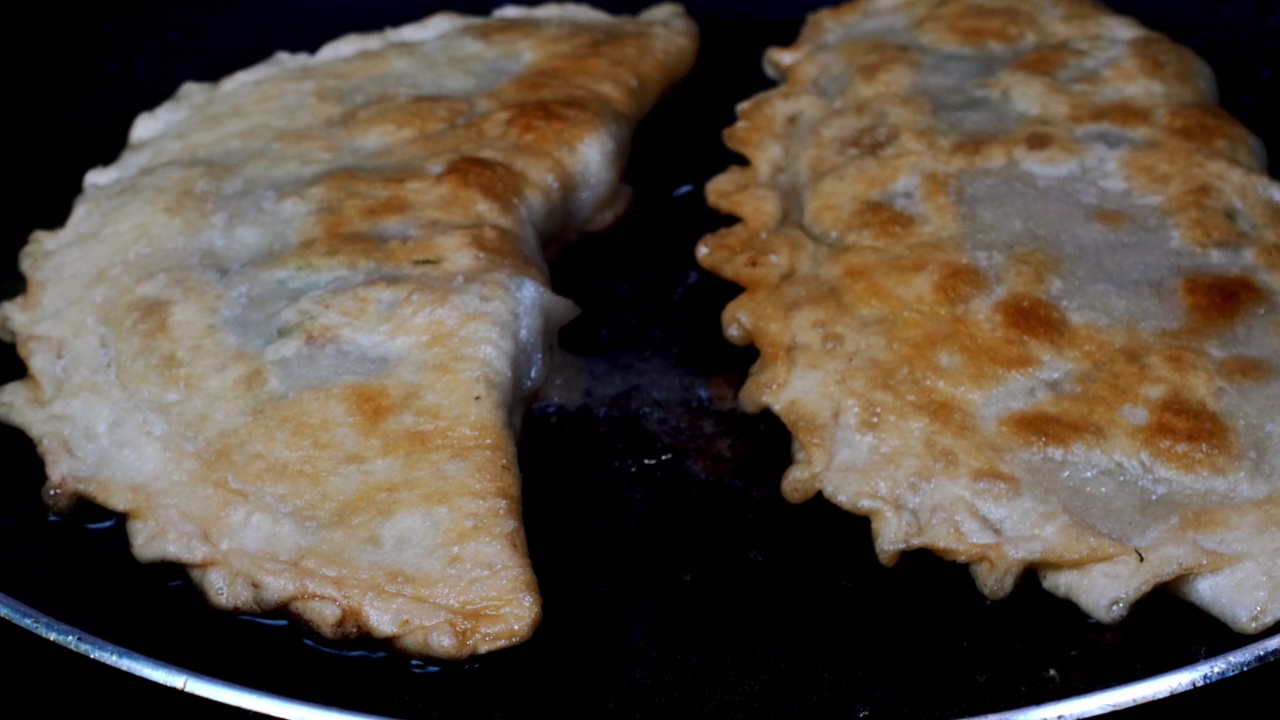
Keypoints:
pixel 680 585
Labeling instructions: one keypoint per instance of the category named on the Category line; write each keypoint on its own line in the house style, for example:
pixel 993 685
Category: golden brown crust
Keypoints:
pixel 289 332
pixel 1012 278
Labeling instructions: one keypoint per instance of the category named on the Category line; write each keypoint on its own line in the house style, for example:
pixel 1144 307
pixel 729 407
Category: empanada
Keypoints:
pixel 290 331
pixel 1013 278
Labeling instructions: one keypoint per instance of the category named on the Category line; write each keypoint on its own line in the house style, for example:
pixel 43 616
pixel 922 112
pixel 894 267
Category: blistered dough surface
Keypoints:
pixel 1013 277
pixel 289 332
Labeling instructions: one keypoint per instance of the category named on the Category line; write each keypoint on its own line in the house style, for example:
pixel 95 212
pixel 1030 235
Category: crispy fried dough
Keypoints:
pixel 289 332
pixel 1013 278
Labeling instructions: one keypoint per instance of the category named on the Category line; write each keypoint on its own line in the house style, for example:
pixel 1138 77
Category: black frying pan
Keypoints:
pixel 676 580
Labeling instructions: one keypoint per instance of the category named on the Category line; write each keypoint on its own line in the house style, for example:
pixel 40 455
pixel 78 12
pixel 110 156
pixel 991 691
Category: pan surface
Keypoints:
pixel 675 578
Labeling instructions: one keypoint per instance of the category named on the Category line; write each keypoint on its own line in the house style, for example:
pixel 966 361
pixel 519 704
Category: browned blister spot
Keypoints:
pixel 371 405
pixel 972 146
pixel 384 208
pixel 612 68
pixel 1047 429
pixel 150 316
pixel 355 206
pixel 1112 218
pixel 1046 61
pixel 1032 317
pixel 1185 433
pixel 1219 300
pixel 1210 127
pixel 959 282
pixel 1122 115
pixel 1243 368
pixel 1038 140
pixel 550 124
pixel 397 219
pixel 1207 217
pixel 495 181
pixel 986 26
pixel 945 413
pixel 881 220
pixel 869 277
pixel 990 359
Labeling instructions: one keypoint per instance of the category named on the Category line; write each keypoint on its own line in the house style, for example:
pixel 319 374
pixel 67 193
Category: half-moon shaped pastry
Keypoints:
pixel 289 332
pixel 1013 277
